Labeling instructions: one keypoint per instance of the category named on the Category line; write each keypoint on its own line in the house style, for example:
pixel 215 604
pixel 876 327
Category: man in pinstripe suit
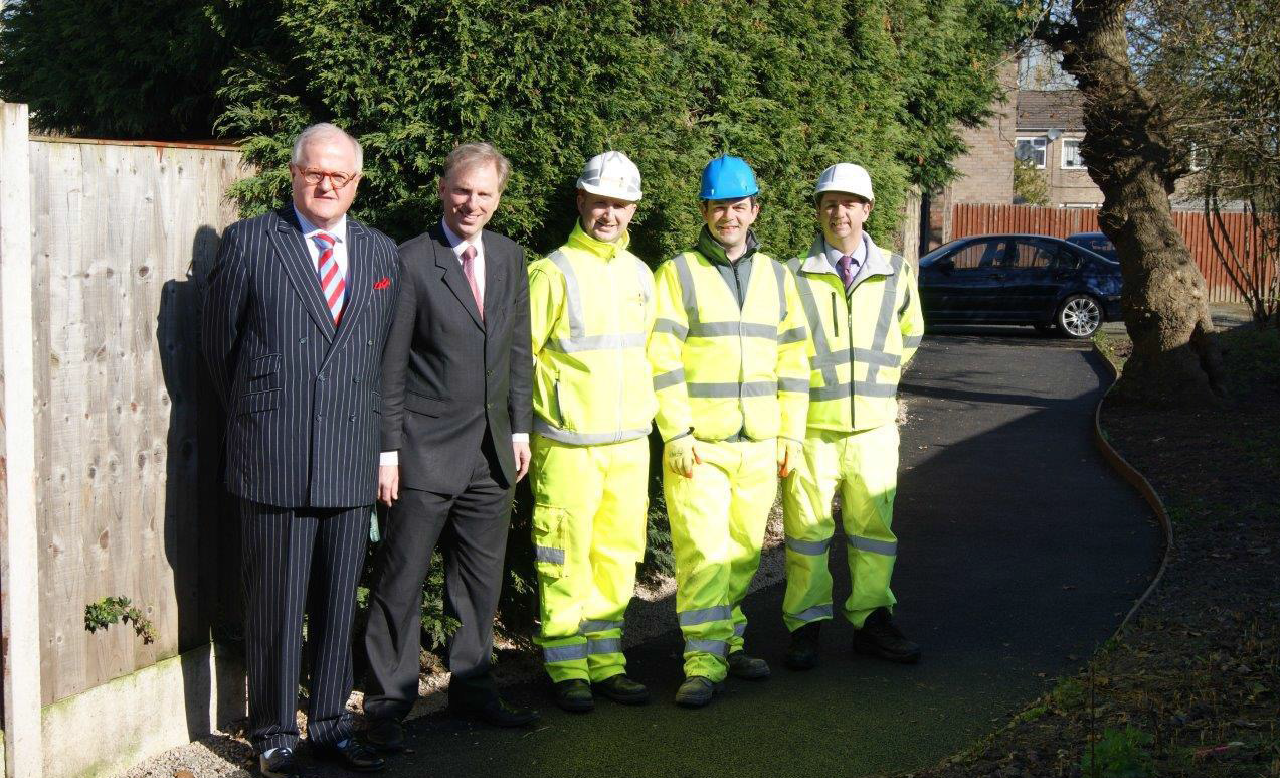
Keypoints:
pixel 297 312
pixel 456 380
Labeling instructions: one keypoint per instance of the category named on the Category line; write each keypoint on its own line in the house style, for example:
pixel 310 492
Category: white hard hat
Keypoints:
pixel 845 177
pixel 611 174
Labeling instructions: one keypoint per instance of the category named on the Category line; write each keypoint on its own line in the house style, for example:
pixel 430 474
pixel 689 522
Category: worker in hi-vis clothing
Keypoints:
pixel 732 377
pixel 592 306
pixel 863 312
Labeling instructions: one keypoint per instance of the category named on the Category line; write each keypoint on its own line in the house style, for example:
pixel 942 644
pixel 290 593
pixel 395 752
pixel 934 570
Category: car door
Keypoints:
pixel 1028 280
pixel 958 286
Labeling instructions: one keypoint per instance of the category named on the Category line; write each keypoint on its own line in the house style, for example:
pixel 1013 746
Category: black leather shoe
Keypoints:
pixel 879 637
pixel 351 755
pixel 620 688
pixel 752 668
pixel 283 764
pixel 574 695
pixel 386 736
pixel 697 691
pixel 497 712
pixel 802 654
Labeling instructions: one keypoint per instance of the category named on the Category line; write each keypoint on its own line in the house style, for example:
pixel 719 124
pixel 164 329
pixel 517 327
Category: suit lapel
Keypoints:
pixel 495 273
pixel 454 278
pixel 291 248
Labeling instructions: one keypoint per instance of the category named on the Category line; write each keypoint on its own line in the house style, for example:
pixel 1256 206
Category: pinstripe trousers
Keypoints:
pixel 296 560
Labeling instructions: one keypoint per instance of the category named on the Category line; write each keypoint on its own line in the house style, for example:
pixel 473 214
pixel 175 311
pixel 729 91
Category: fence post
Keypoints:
pixel 19 570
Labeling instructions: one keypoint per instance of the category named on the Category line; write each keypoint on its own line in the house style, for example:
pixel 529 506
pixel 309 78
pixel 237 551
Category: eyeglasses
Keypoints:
pixel 336 179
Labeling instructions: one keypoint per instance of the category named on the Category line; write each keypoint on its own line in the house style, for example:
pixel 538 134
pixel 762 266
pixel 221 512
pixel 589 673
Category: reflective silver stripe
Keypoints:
pixel 612 340
pixel 704 615
pixel 829 359
pixel 675 328
pixel 886 319
pixel 740 629
pixel 713 329
pixel 793 384
pixel 670 378
pixel 573 299
pixel 819 334
pixel 598 625
pixel 543 428
pixel 548 554
pixel 872 357
pixel 690 300
pixel 564 653
pixel 779 276
pixel 844 390
pixel 605 646
pixel 733 389
pixel 793 335
pixel 911 341
pixel 906 301
pixel 808 547
pixel 813 614
pixel 881 547
pixel 718 647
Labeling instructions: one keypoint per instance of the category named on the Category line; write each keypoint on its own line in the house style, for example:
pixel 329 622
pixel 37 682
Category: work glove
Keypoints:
pixel 681 456
pixel 789 453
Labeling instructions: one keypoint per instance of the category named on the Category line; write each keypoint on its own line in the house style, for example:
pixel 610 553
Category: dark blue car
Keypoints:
pixel 1020 279
pixel 1097 242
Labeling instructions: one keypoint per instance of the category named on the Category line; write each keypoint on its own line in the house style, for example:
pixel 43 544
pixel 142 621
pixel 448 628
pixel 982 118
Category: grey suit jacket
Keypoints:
pixel 448 375
pixel 301 394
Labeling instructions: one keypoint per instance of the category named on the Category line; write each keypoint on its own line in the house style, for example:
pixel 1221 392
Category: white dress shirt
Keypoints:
pixel 339 233
pixel 390 458
pixel 860 265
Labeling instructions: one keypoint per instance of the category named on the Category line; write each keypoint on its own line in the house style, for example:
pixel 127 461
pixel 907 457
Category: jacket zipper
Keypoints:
pixel 835 314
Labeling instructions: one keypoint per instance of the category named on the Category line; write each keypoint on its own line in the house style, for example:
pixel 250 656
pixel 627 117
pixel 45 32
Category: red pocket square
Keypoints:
pixel 382 284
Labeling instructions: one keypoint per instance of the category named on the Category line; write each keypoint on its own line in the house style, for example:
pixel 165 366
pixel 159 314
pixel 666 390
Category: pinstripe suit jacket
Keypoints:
pixel 302 396
pixel 448 374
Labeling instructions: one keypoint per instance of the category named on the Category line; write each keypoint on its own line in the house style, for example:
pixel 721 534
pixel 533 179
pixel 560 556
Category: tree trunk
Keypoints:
pixel 1129 155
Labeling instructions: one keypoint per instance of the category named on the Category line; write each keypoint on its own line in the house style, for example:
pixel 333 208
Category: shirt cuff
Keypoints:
pixel 519 437
pixel 389 459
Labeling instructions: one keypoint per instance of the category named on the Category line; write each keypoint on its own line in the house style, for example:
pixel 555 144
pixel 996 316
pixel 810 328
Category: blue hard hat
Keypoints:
pixel 728 178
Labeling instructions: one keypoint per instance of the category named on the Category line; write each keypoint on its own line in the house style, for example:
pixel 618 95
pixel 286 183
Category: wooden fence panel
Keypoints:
pixel 979 218
pixel 117 231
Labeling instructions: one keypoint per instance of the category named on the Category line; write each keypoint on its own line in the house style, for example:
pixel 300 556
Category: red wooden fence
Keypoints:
pixel 980 218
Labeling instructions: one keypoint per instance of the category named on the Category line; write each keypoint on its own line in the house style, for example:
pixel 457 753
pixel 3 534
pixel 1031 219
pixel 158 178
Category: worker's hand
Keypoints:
pixel 789 453
pixel 388 484
pixel 681 456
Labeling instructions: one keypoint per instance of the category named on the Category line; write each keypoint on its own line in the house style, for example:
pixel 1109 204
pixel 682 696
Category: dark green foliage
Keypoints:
pixel 1120 753
pixel 115 610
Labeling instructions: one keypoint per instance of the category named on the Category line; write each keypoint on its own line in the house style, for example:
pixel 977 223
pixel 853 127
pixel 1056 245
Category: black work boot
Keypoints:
pixel 879 637
pixel 697 691
pixel 802 654
pixel 574 695
pixel 622 689
pixel 752 668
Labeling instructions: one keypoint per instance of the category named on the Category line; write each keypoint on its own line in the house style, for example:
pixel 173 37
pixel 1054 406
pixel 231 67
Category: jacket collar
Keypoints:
pixel 580 240
pixel 710 248
pixel 877 261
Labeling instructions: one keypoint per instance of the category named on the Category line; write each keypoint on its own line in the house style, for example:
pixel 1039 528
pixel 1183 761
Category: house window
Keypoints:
pixel 1071 159
pixel 1031 150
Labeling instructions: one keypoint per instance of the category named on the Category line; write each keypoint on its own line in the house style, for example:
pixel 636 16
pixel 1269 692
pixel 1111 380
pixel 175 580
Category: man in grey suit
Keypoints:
pixel 456 386
pixel 297 311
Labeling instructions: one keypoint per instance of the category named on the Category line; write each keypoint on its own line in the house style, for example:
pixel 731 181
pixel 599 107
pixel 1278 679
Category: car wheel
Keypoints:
pixel 1079 316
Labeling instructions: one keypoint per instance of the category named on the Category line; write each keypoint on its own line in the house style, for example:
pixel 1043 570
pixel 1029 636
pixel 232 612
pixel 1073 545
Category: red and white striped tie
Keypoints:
pixel 332 284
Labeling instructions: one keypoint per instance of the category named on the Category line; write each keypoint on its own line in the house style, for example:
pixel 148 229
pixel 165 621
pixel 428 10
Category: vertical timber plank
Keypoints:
pixel 19 563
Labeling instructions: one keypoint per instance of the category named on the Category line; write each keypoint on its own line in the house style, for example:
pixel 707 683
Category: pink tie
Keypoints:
pixel 469 268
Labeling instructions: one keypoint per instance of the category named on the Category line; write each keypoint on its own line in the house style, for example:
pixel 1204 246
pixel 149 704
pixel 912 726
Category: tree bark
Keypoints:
pixel 1130 156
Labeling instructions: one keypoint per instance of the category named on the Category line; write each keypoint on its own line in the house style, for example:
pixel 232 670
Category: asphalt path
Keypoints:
pixel 1019 552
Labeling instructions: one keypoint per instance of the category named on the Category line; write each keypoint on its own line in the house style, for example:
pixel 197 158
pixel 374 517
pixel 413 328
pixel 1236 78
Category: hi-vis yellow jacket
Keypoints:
pixel 860 341
pixel 724 369
pixel 592 307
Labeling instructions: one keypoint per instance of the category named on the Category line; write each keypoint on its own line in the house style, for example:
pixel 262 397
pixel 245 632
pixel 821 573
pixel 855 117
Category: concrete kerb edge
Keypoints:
pixel 1139 482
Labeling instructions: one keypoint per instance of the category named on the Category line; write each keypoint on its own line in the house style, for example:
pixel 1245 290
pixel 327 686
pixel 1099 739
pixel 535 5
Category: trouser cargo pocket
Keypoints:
pixel 549 540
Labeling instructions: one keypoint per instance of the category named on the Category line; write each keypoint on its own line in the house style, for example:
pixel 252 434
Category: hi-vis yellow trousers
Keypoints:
pixel 591 505
pixel 718 519
pixel 864 466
